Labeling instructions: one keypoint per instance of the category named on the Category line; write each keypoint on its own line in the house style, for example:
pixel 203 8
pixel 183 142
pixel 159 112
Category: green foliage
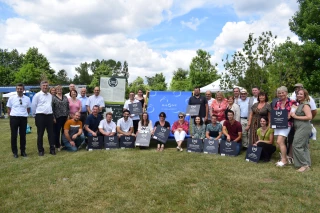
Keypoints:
pixel 102 70
pixel 10 63
pixel 83 76
pixel 180 80
pixel 62 77
pixel 248 67
pixel 306 24
pixel 138 84
pixel 202 72
pixel 157 82
pixel 28 74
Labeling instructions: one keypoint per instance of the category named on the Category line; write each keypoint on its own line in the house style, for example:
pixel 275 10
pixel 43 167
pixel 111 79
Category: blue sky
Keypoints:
pixel 152 36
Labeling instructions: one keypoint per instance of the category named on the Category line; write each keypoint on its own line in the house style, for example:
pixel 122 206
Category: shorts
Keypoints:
pixel 282 132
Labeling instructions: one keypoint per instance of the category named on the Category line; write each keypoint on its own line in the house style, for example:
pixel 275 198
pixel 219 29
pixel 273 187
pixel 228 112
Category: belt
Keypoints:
pixel 244 117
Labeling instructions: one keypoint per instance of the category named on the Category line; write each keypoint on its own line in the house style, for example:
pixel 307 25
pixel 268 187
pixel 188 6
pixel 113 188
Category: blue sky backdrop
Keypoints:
pixel 152 36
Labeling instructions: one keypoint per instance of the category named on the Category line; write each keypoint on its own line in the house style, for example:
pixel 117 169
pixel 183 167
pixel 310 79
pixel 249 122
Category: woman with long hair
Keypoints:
pixel 145 125
pixel 163 123
pixel 300 145
pixel 60 109
pixel 258 110
pixel 198 128
pixel 53 91
pixel 219 106
pixel 265 139
pixel 141 99
pixel 284 103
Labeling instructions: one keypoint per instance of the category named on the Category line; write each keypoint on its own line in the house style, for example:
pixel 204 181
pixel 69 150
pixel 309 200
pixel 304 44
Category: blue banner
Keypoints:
pixel 170 102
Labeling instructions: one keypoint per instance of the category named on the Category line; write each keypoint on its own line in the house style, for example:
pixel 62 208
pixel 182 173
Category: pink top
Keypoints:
pixel 218 109
pixel 74 106
pixel 184 126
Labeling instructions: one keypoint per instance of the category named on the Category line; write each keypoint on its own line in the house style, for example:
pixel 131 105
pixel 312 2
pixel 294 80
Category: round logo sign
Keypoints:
pixel 113 82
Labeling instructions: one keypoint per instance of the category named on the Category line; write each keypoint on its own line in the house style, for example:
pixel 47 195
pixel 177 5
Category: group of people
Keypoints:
pixel 69 118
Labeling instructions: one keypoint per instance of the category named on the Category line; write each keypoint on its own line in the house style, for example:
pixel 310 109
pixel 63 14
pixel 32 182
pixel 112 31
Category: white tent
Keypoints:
pixel 8 95
pixel 215 87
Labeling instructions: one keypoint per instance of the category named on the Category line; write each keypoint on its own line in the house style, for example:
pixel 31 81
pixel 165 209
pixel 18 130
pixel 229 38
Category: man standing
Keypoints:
pixel 92 122
pixel 254 98
pixel 135 118
pixel 236 94
pixel 125 125
pixel 107 127
pixel 18 110
pixel 73 137
pixel 232 130
pixel 209 100
pixel 243 103
pixel 42 108
pixel 95 100
pixel 197 99
pixel 71 88
pixel 83 98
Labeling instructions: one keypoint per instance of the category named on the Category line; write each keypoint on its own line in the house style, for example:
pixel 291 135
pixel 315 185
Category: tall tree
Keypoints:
pixel 62 77
pixel 83 73
pixel 102 70
pixel 157 82
pixel 28 74
pixel 248 67
pixel 40 62
pixel 306 24
pixel 138 84
pixel 180 80
pixel 10 63
pixel 202 72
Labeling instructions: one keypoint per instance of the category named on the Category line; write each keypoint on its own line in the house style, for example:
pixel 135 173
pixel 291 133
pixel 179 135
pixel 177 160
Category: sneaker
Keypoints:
pixel 178 148
pixel 181 149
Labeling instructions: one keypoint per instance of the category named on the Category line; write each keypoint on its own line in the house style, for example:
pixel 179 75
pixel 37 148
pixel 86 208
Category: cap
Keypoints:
pixel 243 91
pixel 298 85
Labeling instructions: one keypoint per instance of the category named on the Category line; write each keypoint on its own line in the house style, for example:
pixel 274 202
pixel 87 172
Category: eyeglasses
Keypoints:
pixel 180 116
pixel 20 101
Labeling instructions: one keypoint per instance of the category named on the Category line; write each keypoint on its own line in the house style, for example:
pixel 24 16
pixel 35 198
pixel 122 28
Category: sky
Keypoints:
pixel 152 36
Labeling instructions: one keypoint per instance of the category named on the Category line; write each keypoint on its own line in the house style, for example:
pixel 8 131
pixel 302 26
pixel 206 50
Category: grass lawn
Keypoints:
pixel 147 181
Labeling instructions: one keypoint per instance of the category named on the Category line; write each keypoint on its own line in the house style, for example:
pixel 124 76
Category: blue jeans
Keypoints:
pixel 68 147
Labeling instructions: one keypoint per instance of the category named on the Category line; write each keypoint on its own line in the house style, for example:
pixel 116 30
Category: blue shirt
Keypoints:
pixel 93 122
pixel 83 103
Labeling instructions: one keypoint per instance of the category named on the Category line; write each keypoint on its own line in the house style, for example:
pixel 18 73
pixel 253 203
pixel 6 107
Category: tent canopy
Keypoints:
pixel 215 87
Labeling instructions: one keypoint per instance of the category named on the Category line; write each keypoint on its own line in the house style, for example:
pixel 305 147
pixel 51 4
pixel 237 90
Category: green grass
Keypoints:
pixel 147 181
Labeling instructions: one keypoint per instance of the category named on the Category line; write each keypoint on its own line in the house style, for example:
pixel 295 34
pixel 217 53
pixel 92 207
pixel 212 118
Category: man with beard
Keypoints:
pixel 73 136
pixel 197 99
pixel 125 125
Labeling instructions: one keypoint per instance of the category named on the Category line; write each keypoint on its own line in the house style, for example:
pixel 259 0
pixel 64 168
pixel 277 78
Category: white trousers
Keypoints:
pixel 179 136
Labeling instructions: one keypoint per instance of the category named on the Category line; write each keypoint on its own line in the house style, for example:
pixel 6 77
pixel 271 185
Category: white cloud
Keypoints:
pixel 193 23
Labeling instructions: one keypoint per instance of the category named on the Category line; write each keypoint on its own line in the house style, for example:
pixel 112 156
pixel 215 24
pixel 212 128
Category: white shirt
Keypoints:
pixel 95 100
pixel 17 107
pixel 126 106
pixel 125 125
pixel 244 107
pixel 312 103
pixel 42 103
pixel 68 95
pixel 209 107
pixel 107 127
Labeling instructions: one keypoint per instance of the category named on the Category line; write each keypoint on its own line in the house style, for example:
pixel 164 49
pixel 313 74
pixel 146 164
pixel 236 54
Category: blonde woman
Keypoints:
pixel 219 106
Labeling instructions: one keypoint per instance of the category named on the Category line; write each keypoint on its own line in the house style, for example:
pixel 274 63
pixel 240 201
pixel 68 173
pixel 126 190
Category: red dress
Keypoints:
pixel 219 108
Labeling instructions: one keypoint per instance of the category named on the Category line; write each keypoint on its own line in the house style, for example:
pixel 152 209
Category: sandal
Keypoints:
pixel 290 160
pixel 281 164
pixel 304 169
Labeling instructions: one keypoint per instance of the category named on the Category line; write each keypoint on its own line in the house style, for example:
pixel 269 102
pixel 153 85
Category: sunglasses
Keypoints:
pixel 20 101
pixel 180 116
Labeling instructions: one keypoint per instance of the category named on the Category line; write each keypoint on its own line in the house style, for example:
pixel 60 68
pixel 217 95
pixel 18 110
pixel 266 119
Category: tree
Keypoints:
pixel 306 24
pixel 248 67
pixel 40 62
pixel 10 63
pixel 28 74
pixel 62 77
pixel 138 84
pixel 102 70
pixel 157 82
pixel 180 80
pixel 202 72
pixel 83 70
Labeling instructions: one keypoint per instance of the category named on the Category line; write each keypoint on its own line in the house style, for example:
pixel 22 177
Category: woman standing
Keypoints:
pixel 218 106
pixel 265 139
pixel 302 117
pixel 198 128
pixel 259 109
pixel 283 103
pixel 145 125
pixel 141 99
pixel 74 103
pixel 60 109
pixel 180 128
pixel 53 91
pixel 162 122
pixel 232 107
